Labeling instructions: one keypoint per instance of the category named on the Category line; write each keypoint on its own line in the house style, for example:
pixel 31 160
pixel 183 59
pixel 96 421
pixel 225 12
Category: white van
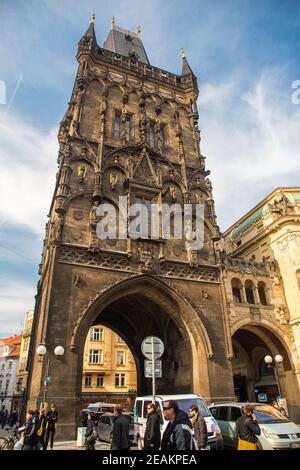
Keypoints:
pixel 215 440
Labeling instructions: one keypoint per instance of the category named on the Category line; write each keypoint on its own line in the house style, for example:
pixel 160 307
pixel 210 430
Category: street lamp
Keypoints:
pixel 278 360
pixel 42 351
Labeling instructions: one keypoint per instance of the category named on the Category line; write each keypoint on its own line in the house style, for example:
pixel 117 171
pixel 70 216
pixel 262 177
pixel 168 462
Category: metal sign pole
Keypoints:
pixel 153 371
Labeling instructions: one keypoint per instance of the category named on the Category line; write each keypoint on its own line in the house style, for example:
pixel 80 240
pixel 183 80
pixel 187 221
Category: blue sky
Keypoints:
pixel 246 56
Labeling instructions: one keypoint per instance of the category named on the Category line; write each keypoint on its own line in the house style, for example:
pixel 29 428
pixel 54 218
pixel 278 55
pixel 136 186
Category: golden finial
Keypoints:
pixel 92 20
pixel 113 22
pixel 182 53
pixel 138 31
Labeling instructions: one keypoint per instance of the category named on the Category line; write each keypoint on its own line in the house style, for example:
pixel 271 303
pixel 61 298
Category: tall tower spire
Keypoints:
pixel 186 69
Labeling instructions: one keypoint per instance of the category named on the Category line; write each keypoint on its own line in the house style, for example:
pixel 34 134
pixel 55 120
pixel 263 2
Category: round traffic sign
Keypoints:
pixel 152 344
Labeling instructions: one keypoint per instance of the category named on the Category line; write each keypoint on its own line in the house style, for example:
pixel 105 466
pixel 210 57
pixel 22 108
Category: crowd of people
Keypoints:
pixel 183 432
pixel 38 430
pixel 9 419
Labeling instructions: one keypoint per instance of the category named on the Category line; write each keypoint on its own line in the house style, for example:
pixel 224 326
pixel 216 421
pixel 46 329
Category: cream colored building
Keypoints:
pixel 260 259
pixel 108 365
pixel 22 373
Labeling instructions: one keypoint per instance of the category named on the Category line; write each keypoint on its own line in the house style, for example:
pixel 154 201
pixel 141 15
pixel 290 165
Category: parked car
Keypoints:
pixel 277 431
pixel 215 441
pixel 105 427
pixel 97 409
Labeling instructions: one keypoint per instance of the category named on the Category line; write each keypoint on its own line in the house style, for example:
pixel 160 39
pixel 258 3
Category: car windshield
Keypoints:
pixel 185 404
pixel 269 414
pixel 92 409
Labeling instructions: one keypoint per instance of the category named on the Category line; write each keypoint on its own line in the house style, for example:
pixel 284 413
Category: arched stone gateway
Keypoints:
pixel 144 305
pixel 252 341
pixel 135 307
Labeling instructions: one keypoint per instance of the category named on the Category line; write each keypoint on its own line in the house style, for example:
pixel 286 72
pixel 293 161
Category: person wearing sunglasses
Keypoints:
pixel 178 434
pixel 152 432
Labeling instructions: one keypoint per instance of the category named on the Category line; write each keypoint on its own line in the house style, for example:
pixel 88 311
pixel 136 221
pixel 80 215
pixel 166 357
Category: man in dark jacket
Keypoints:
pixel 52 417
pixel 199 427
pixel 247 427
pixel 120 438
pixel 29 432
pixel 152 432
pixel 178 434
pixel 90 432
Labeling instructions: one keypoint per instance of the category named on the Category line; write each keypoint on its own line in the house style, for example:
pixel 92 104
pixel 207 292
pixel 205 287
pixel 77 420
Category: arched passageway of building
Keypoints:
pixel 253 379
pixel 141 307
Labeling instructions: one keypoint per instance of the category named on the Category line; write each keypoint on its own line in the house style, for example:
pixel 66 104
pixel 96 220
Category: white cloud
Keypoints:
pixel 16 297
pixel 27 177
pixel 251 139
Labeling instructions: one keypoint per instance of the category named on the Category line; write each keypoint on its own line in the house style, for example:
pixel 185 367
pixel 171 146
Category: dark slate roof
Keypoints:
pixel 125 43
pixel 91 31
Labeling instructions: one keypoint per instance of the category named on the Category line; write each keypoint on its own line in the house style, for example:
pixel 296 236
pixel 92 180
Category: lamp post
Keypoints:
pixel 42 351
pixel 278 360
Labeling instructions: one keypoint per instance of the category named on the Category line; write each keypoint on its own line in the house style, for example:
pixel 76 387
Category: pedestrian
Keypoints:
pixel 247 428
pixel 41 430
pixel 199 427
pixel 13 418
pixel 4 417
pixel 29 432
pixel 120 438
pixel 152 432
pixel 178 433
pixel 52 418
pixel 91 432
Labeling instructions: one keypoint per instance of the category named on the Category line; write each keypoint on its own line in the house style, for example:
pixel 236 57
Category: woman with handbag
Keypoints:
pixel 91 433
pixel 41 430
pixel 247 429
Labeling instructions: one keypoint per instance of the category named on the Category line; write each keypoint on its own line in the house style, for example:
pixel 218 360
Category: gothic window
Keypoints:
pixel 151 135
pixel 249 289
pixel 162 135
pixel 145 222
pixel 236 286
pixel 128 128
pixel 117 124
pixel 262 293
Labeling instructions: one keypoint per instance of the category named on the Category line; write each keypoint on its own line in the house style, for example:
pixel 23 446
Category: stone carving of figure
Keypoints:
pixel 281 316
pixel 144 127
pixel 93 216
pixel 205 294
pixel 173 193
pixel 123 125
pixel 177 125
pixel 57 227
pixel 103 106
pixel 113 180
pixel 208 184
pixel 81 173
pixel 281 206
pixel 198 198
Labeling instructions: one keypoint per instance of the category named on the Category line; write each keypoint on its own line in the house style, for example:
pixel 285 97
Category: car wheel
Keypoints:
pixel 259 445
pixel 140 443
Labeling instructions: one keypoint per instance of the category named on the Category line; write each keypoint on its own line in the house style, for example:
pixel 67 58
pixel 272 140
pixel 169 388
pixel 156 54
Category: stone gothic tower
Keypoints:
pixel 130 130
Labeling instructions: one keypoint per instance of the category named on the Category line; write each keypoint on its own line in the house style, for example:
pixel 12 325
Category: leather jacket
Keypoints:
pixel 247 429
